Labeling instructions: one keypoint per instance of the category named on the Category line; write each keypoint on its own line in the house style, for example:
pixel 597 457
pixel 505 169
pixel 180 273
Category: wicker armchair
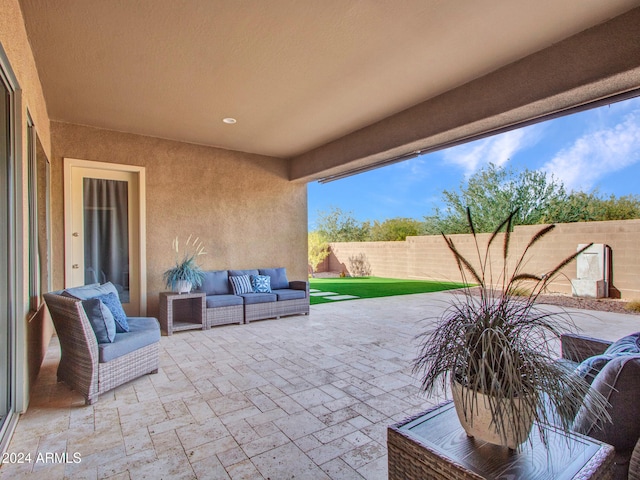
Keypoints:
pixel 577 348
pixel 80 365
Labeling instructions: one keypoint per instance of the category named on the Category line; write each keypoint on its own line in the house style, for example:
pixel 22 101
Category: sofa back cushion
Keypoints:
pixel 278 277
pixel 619 383
pixel 216 282
pixel 235 273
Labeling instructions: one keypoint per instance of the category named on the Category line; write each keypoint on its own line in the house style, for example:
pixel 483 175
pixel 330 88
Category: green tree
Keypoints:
pixel 318 249
pixel 491 193
pixel 395 229
pixel 590 207
pixel 338 226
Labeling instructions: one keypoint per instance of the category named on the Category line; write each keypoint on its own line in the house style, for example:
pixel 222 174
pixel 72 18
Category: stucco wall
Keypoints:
pixel 243 206
pixel 33 331
pixel 427 257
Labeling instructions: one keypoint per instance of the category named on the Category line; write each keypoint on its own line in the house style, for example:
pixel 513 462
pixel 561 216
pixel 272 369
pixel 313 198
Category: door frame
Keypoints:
pixel 139 174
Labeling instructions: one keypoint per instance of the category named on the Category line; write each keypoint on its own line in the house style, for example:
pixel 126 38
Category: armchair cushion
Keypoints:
pixel 112 302
pixel 94 290
pixel 101 319
pixel 619 383
pixel 278 277
pixel 589 368
pixel 143 331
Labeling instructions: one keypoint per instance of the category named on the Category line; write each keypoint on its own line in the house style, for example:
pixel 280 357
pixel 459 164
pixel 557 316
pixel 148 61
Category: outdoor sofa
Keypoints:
pixel 242 296
pixel 613 369
pixel 96 355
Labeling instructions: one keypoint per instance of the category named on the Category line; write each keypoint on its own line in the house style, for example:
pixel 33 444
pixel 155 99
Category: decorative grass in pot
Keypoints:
pixel 495 347
pixel 186 273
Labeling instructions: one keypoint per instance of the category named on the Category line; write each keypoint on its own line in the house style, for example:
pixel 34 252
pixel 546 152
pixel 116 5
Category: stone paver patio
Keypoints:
pixel 299 397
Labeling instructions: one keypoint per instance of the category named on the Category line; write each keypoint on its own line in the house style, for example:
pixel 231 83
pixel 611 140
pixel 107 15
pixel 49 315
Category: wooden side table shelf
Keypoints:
pixel 433 445
pixel 184 311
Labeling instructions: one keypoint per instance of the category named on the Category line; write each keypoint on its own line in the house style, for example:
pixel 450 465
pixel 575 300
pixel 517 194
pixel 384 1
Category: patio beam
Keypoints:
pixel 596 64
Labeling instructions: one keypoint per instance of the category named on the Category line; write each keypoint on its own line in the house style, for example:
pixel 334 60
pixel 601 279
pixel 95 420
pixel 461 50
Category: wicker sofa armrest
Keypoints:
pixel 578 348
pixel 299 285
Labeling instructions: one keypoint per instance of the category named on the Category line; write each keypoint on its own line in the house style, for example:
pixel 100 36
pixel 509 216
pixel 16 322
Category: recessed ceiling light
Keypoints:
pixel 229 120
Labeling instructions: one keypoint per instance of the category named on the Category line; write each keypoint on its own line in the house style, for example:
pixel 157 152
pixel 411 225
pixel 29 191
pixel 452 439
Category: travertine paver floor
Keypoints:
pixel 299 397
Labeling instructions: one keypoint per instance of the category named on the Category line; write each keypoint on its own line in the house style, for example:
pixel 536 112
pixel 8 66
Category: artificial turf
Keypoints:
pixel 371 287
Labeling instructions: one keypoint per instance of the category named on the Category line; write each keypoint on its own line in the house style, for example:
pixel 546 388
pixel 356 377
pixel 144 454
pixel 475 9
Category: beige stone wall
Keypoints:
pixel 243 206
pixel 33 330
pixel 428 257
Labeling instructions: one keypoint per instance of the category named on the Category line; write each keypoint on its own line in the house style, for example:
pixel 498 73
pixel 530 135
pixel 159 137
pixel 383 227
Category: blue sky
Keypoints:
pixel 596 149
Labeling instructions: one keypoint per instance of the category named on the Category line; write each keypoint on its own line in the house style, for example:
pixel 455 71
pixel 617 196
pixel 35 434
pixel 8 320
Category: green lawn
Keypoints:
pixel 371 287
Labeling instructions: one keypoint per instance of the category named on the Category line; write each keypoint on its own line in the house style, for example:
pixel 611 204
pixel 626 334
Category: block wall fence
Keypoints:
pixel 428 258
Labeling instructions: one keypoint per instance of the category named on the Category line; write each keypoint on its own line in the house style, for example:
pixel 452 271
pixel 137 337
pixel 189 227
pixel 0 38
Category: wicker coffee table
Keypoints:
pixel 433 445
pixel 184 311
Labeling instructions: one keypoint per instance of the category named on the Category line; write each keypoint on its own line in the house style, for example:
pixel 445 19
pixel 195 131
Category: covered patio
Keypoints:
pixel 299 397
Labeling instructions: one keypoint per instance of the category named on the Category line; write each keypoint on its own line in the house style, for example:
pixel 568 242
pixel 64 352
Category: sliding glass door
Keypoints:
pixel 6 333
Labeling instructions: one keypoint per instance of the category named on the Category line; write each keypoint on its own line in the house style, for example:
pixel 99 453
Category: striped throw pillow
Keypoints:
pixel 240 284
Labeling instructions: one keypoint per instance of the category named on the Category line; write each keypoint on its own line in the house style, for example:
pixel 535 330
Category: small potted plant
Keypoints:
pixel 495 348
pixel 186 274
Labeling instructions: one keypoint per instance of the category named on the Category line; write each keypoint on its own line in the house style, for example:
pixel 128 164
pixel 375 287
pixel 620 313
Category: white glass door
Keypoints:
pixel 104 230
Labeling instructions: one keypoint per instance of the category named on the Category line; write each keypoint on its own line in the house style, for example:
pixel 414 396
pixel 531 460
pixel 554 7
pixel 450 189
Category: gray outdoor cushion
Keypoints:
pixel 101 320
pixel 216 282
pixel 86 292
pixel 223 301
pixel 252 298
pixel 289 294
pixel 628 344
pixel 233 273
pixel 143 331
pixel 619 383
pixel 278 277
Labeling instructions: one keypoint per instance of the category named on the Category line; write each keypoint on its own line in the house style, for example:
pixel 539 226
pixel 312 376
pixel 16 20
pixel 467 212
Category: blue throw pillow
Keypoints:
pixel 101 320
pixel 112 302
pixel 261 283
pixel 628 344
pixel 240 284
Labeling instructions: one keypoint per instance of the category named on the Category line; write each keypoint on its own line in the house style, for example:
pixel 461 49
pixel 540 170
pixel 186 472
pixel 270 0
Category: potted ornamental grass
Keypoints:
pixel 495 348
pixel 186 274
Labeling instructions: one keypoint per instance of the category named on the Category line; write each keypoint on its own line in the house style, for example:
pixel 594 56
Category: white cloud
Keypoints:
pixel 597 154
pixel 498 150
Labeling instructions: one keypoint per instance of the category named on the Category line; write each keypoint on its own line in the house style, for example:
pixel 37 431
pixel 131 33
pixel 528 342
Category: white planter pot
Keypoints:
pixel 475 417
pixel 182 286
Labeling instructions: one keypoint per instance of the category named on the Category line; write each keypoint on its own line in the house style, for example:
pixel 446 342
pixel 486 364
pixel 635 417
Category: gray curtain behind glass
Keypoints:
pixel 106 233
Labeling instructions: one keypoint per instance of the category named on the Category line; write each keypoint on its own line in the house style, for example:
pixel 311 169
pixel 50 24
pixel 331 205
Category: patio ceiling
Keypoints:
pixel 298 76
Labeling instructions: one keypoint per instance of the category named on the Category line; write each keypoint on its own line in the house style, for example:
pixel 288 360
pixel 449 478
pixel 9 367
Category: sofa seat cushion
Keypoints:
pixel 216 282
pixel 278 277
pixel 214 301
pixel 290 294
pixel 143 331
pixel 253 298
